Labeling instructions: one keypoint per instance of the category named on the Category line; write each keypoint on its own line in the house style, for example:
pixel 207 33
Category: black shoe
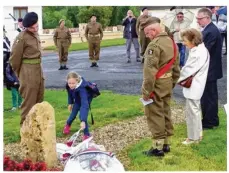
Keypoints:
pixel 96 65
pixel 92 64
pixel 61 68
pixel 138 60
pixel 166 148
pixel 65 67
pixel 154 152
pixel 128 61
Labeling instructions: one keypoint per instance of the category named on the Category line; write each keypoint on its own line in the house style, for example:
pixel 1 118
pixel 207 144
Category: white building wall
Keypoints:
pixel 10 23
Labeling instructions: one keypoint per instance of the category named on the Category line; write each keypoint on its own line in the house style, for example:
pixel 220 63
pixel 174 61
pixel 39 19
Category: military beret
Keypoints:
pixel 20 20
pixel 149 21
pixel 144 8
pixel 30 19
pixel 61 20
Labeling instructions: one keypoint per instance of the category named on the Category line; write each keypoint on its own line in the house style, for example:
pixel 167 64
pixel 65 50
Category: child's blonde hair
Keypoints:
pixel 74 75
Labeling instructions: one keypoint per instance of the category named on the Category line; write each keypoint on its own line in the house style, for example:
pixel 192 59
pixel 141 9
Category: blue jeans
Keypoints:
pixel 71 118
pixel 181 48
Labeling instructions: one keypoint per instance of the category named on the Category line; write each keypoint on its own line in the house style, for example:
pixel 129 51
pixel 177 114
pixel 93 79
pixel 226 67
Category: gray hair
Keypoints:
pixel 206 11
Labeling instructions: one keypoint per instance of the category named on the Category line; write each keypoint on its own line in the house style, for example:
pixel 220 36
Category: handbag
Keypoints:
pixel 188 81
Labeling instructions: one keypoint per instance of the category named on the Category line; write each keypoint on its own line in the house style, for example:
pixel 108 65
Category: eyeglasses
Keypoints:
pixel 200 18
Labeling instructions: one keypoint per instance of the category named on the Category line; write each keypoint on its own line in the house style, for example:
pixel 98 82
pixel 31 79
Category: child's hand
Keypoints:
pixel 82 125
pixel 70 108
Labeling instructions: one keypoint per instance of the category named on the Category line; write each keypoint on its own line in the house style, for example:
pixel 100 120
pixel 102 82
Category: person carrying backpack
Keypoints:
pixel 80 94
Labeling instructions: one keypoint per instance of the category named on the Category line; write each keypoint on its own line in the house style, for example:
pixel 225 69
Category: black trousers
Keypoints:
pixel 209 105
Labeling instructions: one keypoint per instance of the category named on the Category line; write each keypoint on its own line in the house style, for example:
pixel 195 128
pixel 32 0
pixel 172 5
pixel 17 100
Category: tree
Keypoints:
pixel 103 14
pixel 52 15
pixel 72 15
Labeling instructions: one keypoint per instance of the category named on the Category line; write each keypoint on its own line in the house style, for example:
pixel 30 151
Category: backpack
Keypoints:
pixel 92 89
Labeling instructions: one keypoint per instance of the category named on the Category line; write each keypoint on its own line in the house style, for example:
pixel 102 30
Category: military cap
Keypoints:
pixel 144 8
pixel 149 21
pixel 61 20
pixel 30 19
pixel 20 20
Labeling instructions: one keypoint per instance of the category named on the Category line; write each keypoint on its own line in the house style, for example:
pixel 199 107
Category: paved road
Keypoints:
pixel 113 72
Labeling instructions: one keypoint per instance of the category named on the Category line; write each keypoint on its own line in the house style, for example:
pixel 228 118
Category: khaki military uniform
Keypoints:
pixel 26 63
pixel 94 35
pixel 62 39
pixel 158 53
pixel 144 41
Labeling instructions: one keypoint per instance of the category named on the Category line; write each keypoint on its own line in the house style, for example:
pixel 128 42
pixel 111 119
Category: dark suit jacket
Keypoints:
pixel 126 31
pixel 212 41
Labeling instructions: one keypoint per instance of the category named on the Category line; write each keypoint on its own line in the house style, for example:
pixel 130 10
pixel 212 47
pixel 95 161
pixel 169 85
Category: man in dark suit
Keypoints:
pixel 130 35
pixel 212 41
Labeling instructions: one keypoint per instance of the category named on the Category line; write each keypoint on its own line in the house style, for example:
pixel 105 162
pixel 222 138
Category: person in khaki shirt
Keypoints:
pixel 26 63
pixel 144 41
pixel 158 53
pixel 62 39
pixel 94 35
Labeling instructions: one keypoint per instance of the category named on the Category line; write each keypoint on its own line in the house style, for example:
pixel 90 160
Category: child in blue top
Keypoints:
pixel 79 99
pixel 12 84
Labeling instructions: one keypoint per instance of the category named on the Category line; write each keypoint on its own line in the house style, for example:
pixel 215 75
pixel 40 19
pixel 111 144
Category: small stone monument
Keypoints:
pixel 38 135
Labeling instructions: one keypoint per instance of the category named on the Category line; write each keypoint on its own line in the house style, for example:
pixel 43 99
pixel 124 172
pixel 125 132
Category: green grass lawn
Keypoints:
pixel 209 155
pixel 84 45
pixel 107 108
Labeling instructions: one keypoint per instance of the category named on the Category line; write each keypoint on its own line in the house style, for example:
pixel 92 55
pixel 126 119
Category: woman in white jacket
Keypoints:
pixel 197 64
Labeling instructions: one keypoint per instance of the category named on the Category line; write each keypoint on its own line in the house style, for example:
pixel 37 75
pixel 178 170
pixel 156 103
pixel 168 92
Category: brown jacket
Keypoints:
pixel 27 46
pixel 62 34
pixel 158 53
pixel 94 29
pixel 141 19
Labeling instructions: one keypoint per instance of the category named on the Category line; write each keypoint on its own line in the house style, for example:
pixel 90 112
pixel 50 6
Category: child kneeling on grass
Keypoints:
pixel 79 99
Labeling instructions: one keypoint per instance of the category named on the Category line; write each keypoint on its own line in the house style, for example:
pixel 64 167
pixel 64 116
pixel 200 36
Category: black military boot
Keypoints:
pixel 128 61
pixel 96 65
pixel 138 60
pixel 154 152
pixel 65 67
pixel 166 148
pixel 61 68
pixel 92 64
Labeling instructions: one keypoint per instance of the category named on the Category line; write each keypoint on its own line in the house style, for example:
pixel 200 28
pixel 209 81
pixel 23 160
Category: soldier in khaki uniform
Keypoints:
pixel 94 35
pixel 62 39
pixel 144 41
pixel 158 53
pixel 26 63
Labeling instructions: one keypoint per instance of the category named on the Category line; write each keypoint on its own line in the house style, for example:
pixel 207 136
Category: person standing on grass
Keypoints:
pixel 25 60
pixel 197 64
pixel 12 84
pixel 213 42
pixel 161 51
